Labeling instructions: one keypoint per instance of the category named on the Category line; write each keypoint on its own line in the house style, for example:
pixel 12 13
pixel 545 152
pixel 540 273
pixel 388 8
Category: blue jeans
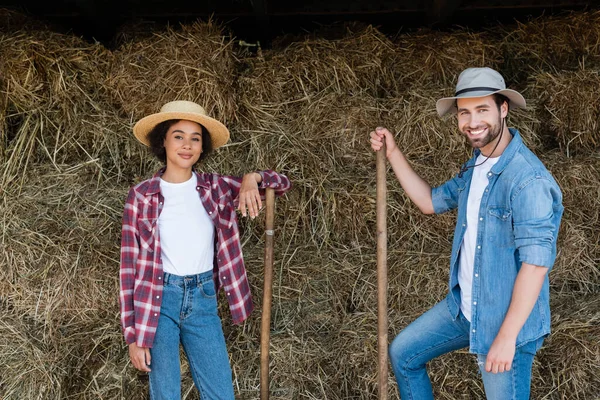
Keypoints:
pixel 188 315
pixel 435 333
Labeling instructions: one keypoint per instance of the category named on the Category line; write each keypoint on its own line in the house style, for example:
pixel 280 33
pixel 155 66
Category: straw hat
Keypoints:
pixel 187 110
pixel 479 82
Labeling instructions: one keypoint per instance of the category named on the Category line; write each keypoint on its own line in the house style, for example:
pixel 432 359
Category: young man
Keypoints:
pixel 509 210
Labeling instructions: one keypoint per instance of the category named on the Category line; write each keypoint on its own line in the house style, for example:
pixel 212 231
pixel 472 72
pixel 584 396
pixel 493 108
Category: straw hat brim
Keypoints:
pixel 448 104
pixel 219 134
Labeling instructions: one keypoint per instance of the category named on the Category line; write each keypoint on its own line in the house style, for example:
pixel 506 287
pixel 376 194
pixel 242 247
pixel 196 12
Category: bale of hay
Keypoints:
pixel 55 110
pixel 578 256
pixel 551 44
pixel 568 365
pixel 569 103
pixel 430 57
pixel 195 62
pixel 289 111
pixel 360 62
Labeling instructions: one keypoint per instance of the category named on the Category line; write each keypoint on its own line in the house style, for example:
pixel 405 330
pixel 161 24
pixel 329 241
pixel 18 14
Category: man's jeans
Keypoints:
pixel 435 333
pixel 188 315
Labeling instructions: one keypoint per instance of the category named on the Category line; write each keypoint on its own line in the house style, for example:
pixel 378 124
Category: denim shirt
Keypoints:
pixel 519 218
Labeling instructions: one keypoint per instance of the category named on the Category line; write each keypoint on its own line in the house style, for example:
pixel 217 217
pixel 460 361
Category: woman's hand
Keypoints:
pixel 140 357
pixel 249 197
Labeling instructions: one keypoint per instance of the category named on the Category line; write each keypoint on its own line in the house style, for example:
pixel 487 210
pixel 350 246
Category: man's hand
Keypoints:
pixel 377 137
pixel 140 357
pixel 501 354
pixel 249 196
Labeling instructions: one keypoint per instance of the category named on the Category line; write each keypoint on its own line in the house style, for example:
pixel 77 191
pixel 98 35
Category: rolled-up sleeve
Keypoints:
pixel 272 179
pixel 445 196
pixel 537 210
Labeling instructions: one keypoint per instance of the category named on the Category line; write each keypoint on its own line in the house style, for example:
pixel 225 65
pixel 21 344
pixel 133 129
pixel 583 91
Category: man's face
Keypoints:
pixel 480 121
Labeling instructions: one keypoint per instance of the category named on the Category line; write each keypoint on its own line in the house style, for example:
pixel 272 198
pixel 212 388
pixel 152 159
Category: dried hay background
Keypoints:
pixel 304 108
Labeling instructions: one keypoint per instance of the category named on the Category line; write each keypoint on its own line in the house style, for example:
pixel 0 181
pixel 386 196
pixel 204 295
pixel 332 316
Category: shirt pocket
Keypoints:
pixel 225 212
pixel 146 229
pixel 500 226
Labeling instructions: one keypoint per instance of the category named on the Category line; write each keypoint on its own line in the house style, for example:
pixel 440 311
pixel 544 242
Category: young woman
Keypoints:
pixel 180 244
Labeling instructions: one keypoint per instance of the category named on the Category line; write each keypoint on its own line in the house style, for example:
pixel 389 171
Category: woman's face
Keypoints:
pixel 183 145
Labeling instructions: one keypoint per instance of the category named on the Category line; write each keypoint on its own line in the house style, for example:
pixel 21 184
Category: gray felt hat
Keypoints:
pixel 479 82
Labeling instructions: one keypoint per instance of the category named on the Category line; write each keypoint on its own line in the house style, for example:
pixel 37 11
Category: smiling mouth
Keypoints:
pixel 476 132
pixel 186 156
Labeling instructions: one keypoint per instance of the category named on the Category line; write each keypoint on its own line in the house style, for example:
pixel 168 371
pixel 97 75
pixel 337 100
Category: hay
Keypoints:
pixel 195 62
pixel 54 107
pixel 579 250
pixel 569 103
pixel 361 62
pixel 305 109
pixel 429 57
pixel 552 44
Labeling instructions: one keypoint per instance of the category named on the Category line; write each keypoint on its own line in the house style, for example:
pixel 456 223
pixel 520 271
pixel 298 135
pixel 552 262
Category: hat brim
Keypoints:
pixel 448 104
pixel 219 134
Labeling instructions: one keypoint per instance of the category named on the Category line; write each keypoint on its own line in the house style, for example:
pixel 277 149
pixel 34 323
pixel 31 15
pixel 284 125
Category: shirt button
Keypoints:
pixel 479 247
pixel 224 277
pixel 155 315
pixel 489 174
pixel 487 190
pixel 158 297
pixel 476 275
pixel 228 294
pixel 197 187
pixel 481 219
pixel 474 303
pixel 464 225
pixel 160 278
pixel 473 330
pixel 210 213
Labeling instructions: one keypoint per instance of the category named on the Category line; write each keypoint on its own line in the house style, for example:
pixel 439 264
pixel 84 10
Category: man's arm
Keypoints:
pixel 417 189
pixel 525 293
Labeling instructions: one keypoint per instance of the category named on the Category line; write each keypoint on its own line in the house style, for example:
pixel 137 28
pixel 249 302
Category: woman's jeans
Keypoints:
pixel 435 333
pixel 188 315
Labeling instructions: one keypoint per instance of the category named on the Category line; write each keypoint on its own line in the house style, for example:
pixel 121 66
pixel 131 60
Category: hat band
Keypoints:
pixel 476 89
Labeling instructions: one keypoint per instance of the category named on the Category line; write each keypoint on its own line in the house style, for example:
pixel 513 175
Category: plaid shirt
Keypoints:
pixel 141 270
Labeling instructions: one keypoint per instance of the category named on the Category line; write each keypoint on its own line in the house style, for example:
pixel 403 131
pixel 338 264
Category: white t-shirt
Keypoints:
pixel 187 233
pixel 467 249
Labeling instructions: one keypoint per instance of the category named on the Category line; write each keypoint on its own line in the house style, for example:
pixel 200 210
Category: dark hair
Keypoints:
pixel 501 99
pixel 157 136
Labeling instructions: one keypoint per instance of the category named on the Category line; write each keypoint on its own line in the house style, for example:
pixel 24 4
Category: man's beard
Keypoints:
pixel 493 132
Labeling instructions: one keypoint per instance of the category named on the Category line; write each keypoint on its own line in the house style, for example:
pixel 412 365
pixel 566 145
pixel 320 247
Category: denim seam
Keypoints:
pixel 422 352
pixel 198 381
pixel 513 371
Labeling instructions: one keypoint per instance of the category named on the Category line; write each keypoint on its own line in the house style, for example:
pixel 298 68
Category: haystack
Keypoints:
pixel 55 108
pixel 195 62
pixel 304 109
pixel 429 57
pixel 551 44
pixel 569 103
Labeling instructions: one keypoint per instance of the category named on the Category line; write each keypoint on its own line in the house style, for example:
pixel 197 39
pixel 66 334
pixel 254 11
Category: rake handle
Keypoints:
pixel 382 279
pixel 267 296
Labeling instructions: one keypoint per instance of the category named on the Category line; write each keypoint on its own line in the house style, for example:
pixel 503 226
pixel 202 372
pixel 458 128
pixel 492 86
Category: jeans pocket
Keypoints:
pixel 208 289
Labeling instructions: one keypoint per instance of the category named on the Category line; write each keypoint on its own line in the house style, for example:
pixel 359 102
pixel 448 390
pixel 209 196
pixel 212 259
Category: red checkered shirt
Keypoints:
pixel 141 270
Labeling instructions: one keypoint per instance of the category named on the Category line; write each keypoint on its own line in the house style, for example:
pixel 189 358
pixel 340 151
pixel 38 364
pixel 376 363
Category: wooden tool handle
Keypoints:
pixel 265 329
pixel 382 281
